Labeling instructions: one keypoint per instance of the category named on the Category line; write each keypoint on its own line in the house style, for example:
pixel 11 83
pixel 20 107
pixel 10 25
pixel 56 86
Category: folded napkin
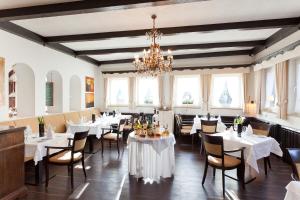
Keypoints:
pixel 196 117
pixel 50 132
pixel 231 129
pixel 219 119
pixel 28 130
pixel 249 130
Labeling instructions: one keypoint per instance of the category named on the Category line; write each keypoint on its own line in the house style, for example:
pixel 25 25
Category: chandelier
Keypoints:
pixel 153 61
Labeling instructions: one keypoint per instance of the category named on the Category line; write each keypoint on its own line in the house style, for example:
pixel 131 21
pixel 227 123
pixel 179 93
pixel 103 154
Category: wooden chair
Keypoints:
pixel 183 128
pixel 207 127
pixel 217 158
pixel 295 157
pixel 260 128
pixel 115 134
pixel 69 156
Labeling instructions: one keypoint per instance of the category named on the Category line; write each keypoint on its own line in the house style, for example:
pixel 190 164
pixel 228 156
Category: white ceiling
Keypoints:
pixel 7 4
pixel 196 13
pixel 183 38
pixel 118 56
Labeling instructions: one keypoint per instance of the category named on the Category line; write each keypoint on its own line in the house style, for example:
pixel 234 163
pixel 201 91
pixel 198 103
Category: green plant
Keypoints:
pixel 238 120
pixel 138 125
pixel 41 120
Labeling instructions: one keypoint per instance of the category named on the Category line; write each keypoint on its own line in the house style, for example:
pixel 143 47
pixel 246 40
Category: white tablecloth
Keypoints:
pixel 96 128
pixel 256 147
pixel 197 125
pixel 35 146
pixel 293 191
pixel 151 158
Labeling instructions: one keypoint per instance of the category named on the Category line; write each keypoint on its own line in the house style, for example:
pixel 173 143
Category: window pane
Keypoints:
pixel 187 90
pixel 270 98
pixel 147 91
pixel 227 91
pixel 118 91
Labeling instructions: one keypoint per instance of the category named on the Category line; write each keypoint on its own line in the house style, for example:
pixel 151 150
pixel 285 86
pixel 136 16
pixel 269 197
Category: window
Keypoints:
pixel 227 91
pixel 187 90
pixel 117 91
pixel 147 91
pixel 270 95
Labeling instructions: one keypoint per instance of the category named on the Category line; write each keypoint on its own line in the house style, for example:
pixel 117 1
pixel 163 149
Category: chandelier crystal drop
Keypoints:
pixel 153 61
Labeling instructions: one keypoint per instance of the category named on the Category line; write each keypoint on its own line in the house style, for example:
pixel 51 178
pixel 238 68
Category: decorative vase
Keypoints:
pixel 93 118
pixel 239 129
pixel 41 130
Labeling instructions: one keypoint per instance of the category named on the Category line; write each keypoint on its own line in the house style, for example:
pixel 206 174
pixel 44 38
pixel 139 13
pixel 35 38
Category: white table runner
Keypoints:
pixel 293 191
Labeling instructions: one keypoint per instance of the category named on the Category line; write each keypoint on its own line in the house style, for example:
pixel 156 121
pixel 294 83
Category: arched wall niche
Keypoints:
pixel 21 91
pixel 75 93
pixel 54 92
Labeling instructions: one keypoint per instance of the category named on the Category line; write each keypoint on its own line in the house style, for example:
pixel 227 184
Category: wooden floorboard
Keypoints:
pixel 108 179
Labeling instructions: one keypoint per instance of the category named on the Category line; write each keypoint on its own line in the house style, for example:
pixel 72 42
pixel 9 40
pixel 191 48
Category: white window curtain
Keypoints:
pixel 186 90
pixel 270 89
pixel 258 89
pixel 282 88
pixel 147 91
pixel 227 91
pixel 206 87
pixel 297 89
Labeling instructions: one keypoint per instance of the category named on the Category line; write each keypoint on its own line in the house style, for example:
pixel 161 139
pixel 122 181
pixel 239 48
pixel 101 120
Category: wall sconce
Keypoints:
pixel 251 108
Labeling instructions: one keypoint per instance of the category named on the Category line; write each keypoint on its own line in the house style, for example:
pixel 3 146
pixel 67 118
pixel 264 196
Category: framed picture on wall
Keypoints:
pixel 89 100
pixel 89 84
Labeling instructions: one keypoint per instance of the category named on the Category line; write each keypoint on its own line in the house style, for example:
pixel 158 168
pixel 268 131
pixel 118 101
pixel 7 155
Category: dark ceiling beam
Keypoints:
pixel 260 24
pixel 175 47
pixel 184 68
pixel 188 56
pixel 29 35
pixel 276 37
pixel 79 7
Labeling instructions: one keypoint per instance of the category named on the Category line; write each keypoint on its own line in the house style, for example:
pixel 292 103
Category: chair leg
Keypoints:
pixel 265 165
pixel 205 172
pixel 214 172
pixel 223 181
pixel 118 146
pixel 83 166
pixel 47 173
pixel 72 176
pixel 102 146
pixel 201 148
pixel 269 162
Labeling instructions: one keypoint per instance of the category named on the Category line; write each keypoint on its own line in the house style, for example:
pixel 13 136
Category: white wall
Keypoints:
pixel 42 60
pixel 75 93
pixel 25 90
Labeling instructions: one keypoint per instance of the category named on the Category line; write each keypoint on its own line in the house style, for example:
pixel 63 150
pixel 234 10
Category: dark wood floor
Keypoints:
pixel 108 179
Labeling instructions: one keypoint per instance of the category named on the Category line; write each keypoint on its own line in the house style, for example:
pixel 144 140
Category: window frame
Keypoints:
pixel 175 105
pixel 212 106
pixel 137 93
pixel 108 92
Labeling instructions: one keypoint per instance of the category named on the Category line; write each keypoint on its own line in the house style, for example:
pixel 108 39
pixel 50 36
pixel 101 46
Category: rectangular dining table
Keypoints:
pixel 256 147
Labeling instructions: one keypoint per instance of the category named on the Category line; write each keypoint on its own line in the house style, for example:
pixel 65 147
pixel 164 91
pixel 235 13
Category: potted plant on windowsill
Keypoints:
pixel 238 124
pixel 41 126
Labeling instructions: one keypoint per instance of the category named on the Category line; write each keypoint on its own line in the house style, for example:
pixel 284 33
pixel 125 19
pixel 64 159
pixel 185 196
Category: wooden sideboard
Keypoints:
pixel 12 163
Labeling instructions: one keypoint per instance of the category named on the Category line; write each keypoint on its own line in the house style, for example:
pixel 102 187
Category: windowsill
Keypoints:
pixel 148 106
pixel 188 106
pixel 227 108
pixel 117 105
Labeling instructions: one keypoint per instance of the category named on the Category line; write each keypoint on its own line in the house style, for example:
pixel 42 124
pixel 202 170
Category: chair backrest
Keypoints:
pixel 260 128
pixel 121 125
pixel 79 141
pixel 213 145
pixel 209 126
pixel 295 157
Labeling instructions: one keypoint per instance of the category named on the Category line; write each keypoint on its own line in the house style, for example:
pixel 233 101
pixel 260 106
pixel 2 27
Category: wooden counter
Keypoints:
pixel 12 163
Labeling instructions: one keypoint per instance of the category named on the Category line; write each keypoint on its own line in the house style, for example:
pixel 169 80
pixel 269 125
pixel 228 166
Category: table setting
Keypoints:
pixel 197 124
pixel 256 147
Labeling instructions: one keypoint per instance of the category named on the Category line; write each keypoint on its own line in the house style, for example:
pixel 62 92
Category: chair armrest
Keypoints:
pixel 54 147
pixel 235 150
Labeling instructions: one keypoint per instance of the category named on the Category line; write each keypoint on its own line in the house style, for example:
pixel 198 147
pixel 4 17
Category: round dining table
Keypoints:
pixel 151 157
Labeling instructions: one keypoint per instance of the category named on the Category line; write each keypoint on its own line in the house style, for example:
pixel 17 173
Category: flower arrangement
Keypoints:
pixel 41 120
pixel 239 120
